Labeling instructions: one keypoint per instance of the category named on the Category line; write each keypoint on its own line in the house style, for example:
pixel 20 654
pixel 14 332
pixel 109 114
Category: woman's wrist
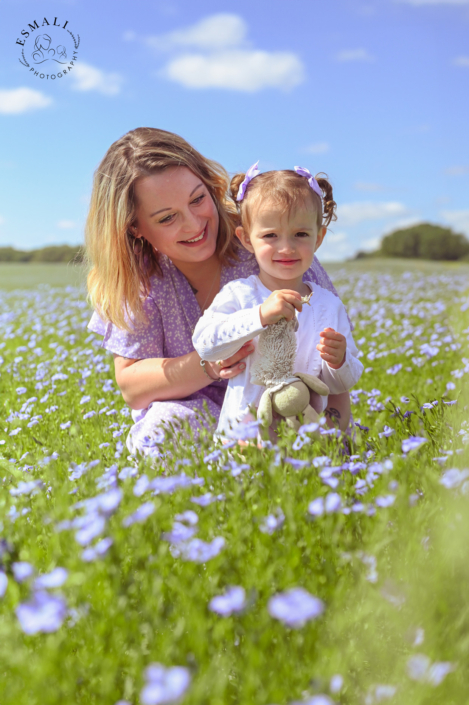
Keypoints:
pixel 206 366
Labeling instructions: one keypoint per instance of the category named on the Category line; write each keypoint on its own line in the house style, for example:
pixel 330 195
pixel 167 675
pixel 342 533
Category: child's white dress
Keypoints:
pixel 234 318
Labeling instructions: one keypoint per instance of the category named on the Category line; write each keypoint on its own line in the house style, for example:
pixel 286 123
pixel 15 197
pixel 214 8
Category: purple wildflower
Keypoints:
pixel 316 507
pixel 295 607
pixel 297 464
pixel 386 501
pixel 412 443
pixel 205 500
pixel 140 515
pixel 273 522
pixel 320 699
pixel 233 600
pixel 453 478
pixel 27 488
pixel 97 551
pixel 54 579
pixel 180 533
pixel 94 525
pixel 386 432
pixel 332 503
pixel 199 551
pixel 22 571
pixel 212 456
pixel 188 517
pixel 65 425
pixel 3 583
pixel 43 613
pixel 336 683
pixel 164 685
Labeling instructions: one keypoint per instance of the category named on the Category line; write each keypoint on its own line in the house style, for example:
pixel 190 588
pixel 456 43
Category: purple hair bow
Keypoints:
pixel 254 171
pixel 250 174
pixel 301 171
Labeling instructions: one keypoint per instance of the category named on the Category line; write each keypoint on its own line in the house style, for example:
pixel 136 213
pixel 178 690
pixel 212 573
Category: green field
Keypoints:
pixel 29 276
pixel 372 531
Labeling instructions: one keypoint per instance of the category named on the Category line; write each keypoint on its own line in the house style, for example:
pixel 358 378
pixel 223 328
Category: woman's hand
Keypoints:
pixel 232 366
pixel 280 304
pixel 332 347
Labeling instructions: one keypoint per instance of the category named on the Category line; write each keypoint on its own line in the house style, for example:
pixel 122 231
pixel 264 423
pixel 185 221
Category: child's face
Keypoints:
pixel 283 244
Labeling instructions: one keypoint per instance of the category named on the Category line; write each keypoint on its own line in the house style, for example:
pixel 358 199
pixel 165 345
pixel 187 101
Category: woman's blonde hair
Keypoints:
pixel 119 278
pixel 285 188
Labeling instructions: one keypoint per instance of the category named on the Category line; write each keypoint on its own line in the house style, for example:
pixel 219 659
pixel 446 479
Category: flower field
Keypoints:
pixel 317 571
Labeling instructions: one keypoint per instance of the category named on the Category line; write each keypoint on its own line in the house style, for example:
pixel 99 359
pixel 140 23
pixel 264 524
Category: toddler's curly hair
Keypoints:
pixel 287 189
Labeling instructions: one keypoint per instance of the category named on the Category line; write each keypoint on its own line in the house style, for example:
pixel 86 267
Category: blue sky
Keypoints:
pixel 374 93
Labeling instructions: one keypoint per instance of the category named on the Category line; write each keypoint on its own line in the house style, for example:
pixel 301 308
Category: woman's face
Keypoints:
pixel 177 215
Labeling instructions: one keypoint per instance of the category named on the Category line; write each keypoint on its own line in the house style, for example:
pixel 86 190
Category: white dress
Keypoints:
pixel 234 318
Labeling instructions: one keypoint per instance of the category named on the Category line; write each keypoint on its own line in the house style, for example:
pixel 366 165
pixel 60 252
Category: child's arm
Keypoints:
pixel 224 327
pixel 341 368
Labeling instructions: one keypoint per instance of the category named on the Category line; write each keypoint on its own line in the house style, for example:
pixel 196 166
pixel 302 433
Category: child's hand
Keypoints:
pixel 332 347
pixel 280 304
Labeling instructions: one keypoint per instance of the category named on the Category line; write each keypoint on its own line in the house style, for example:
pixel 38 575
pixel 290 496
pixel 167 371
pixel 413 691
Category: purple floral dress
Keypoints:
pixel 173 312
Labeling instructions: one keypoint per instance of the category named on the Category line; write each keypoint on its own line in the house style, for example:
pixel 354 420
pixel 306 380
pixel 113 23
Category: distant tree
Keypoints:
pixel 425 241
pixel 53 253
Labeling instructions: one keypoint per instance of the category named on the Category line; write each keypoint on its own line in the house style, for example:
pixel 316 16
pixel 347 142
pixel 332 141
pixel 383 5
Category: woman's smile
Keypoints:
pixel 198 239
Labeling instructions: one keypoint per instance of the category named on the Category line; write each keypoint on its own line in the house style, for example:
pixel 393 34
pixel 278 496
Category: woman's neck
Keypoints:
pixel 200 274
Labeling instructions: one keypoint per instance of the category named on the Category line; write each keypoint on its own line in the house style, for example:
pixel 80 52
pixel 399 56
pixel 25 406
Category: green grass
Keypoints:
pixel 29 276
pixel 389 577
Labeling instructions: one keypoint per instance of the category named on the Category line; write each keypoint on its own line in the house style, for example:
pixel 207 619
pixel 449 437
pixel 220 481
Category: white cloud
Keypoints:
pixel 214 53
pixel 22 100
pixel 129 36
pixel 239 70
pixel 317 148
pixel 457 170
pixel 461 61
pixel 354 213
pixel 66 224
pixel 335 247
pixel 89 78
pixel 459 220
pixel 354 55
pixel 373 243
pixel 217 32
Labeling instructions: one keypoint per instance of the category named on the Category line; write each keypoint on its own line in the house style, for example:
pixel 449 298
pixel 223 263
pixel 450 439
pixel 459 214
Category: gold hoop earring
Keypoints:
pixel 137 240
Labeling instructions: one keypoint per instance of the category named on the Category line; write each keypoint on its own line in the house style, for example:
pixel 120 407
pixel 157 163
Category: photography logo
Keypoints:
pixel 48 50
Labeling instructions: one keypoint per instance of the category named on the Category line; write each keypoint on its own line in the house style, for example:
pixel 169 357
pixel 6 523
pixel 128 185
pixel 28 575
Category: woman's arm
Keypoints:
pixel 160 379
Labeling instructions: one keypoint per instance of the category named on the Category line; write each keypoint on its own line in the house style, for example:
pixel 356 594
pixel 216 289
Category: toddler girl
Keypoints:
pixel 284 217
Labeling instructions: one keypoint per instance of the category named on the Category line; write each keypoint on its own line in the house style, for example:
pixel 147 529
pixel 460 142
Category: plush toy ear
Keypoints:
pixel 264 411
pixel 314 383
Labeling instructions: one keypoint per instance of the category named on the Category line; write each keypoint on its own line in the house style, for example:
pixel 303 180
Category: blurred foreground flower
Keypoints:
pixel 43 613
pixel 295 607
pixel 54 579
pixel 272 522
pixel 420 668
pixel 233 600
pixel 412 443
pixel 164 685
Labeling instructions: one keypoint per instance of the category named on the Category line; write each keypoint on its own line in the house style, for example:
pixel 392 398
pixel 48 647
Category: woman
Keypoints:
pixel 160 241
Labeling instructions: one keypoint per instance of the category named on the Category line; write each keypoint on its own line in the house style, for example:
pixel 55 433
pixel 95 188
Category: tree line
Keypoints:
pixel 52 253
pixel 422 241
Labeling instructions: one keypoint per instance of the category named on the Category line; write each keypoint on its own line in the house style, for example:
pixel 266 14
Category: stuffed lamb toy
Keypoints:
pixel 287 392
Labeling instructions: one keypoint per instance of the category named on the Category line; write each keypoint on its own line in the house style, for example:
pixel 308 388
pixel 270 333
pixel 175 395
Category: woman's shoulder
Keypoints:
pixel 244 267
